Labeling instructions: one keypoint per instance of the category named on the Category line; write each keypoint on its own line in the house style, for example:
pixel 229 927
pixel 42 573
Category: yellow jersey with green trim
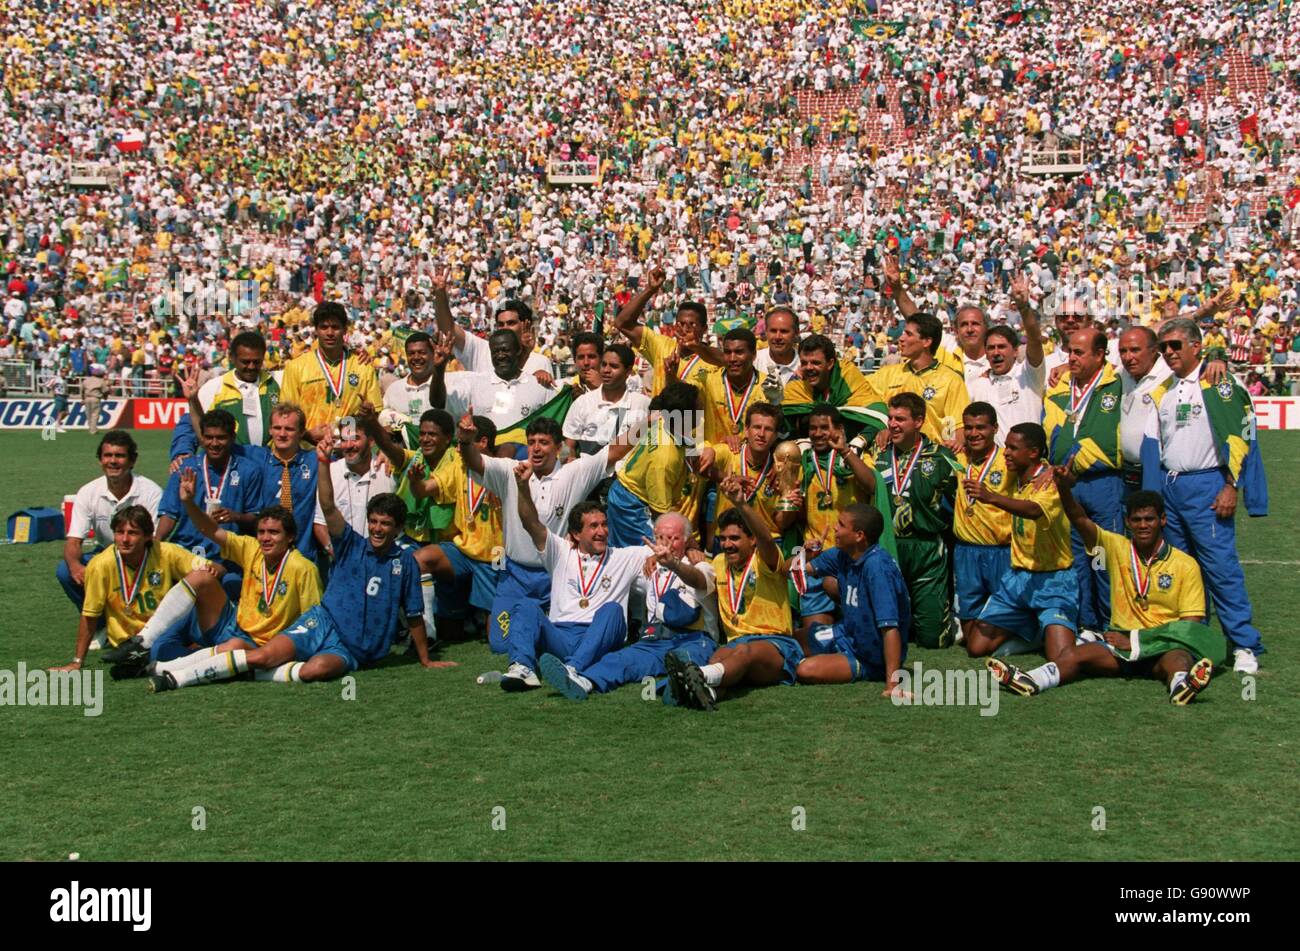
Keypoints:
pixel 829 487
pixel 1174 589
pixel 754 599
pixel 658 348
pixel 305 383
pixel 421 512
pixel 724 407
pixel 297 589
pixel 1043 543
pixel 767 493
pixel 106 588
pixel 978 523
pixel 942 388
pixel 656 472
pixel 477 518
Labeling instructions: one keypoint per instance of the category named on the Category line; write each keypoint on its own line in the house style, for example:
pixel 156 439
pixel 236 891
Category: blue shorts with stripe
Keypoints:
pixel 176 640
pixel 815 600
pixel 833 640
pixel 477 579
pixel 791 653
pixel 315 633
pixel 978 571
pixel 1027 602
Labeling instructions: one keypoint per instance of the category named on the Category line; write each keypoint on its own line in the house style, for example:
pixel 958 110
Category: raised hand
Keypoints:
pixel 523 472
pixel 656 277
pixel 443 347
pixel 890 268
pixel 1020 290
pixel 1064 477
pixel 190 382
pixel 466 431
pixel 189 480
pixel 325 448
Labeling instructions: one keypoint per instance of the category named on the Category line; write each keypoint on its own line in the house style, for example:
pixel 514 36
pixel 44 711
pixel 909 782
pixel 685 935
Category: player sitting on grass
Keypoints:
pixel 1157 609
pixel 754 608
pixel 674 624
pixel 868 643
pixel 1038 599
pixel 590 583
pixel 125 583
pixel 278 585
pixel 372 582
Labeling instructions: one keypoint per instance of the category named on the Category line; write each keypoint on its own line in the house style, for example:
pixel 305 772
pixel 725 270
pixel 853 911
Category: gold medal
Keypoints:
pixel 583 602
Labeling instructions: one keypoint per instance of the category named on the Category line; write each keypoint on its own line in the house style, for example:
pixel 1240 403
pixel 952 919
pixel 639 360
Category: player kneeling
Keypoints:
pixel 1157 609
pixel 868 643
pixel 371 583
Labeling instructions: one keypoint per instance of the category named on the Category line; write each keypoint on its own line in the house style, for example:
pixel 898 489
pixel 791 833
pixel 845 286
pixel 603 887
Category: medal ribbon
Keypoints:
pixel 686 373
pixel 584 586
pixel 762 476
pixel 736 410
pixel 207 480
pixel 828 479
pixel 336 388
pixel 1079 400
pixel 476 499
pixel 268 594
pixel 129 590
pixel 984 470
pixel 899 486
pixel 1142 582
pixel 736 595
pixel 661 590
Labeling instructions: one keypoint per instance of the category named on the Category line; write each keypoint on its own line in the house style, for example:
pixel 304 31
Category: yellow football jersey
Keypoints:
pixel 754 600
pixel 297 589
pixel 1041 544
pixel 656 473
pixel 418 516
pixel 1174 592
pixel 477 519
pixel 306 384
pixel 942 388
pixel 861 390
pixel 823 503
pixel 657 348
pixel 767 494
pixel 978 523
pixel 108 581
pixel 724 408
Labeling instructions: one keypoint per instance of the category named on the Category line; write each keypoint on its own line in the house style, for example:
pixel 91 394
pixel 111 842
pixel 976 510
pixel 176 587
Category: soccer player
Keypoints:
pixel 754 608
pixel 869 644
pixel 372 583
pixel 824 379
pixel 407 399
pixel 686 357
pixel 728 391
pixel 289 472
pixel 327 381
pixel 1157 623
pixel 981 556
pixel 752 462
pixel 1038 599
pixel 125 583
pixel 97 502
pixel 941 388
pixel 279 584
pixel 357 477
pixel 590 584
pixel 971 321
pixel 602 414
pixel 675 622
pixel 247 392
pixel 1081 416
pixel 922 481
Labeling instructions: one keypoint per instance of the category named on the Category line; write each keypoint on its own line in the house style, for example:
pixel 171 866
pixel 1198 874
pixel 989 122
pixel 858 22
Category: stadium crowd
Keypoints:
pixel 342 208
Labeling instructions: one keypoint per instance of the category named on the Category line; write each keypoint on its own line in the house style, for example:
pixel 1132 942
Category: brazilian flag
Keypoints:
pixel 557 409
pixel 728 324
pixel 115 276
pixel 868 419
pixel 879 30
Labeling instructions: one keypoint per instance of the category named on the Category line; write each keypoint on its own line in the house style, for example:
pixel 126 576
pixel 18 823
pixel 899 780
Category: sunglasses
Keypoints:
pixel 1174 345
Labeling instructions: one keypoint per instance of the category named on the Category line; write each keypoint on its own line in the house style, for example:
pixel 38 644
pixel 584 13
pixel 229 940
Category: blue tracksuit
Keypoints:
pixel 1102 496
pixel 873 596
pixel 580 643
pixel 645 658
pixel 517 583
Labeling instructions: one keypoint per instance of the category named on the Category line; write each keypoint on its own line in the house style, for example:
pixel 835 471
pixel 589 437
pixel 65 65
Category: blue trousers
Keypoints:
pixel 1212 541
pixel 75 592
pixel 1102 497
pixel 580 643
pixel 517 583
pixel 628 517
pixel 645 658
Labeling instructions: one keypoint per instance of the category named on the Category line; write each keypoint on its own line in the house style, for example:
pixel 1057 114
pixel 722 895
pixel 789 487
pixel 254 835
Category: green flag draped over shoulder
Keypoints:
pixel 557 408
pixel 886 540
pixel 868 420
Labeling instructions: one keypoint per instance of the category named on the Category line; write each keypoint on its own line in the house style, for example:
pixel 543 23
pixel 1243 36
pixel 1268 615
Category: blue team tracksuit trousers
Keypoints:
pixel 580 643
pixel 1102 497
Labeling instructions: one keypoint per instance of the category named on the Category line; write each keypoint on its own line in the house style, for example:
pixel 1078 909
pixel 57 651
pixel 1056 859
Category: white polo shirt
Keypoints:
pixel 505 402
pixel 352 492
pixel 595 421
pixel 476 357
pixel 1135 407
pixel 663 581
pixel 1186 438
pixel 409 399
pixel 95 506
pixel 607 579
pixel 973 369
pixel 1017 396
pixel 554 495
pixel 785 372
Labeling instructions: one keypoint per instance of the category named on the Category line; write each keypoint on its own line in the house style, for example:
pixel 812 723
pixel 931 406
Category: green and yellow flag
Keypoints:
pixel 879 30
pixel 557 409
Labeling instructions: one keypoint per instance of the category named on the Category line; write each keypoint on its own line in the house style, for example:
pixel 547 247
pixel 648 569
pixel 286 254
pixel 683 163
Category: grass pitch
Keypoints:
pixel 428 765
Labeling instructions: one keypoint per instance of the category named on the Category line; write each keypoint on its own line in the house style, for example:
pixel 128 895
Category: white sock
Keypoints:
pixel 1046 677
pixel 712 674
pixel 175 605
pixel 1176 680
pixel 221 667
pixel 284 674
pixel 430 604
pixel 180 663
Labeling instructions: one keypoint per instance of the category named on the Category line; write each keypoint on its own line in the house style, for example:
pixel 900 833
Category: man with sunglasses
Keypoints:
pixel 1200 453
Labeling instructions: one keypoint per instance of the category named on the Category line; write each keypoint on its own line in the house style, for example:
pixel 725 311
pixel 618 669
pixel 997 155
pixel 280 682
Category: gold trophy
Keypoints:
pixel 788 466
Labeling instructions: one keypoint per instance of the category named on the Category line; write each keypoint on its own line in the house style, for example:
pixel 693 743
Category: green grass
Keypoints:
pixel 414 766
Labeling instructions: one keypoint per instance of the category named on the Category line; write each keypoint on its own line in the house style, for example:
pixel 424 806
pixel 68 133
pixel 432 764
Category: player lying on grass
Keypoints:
pixel 590 583
pixel 674 624
pixel 754 608
pixel 868 643
pixel 1038 599
pixel 126 582
pixel 278 585
pixel 373 582
pixel 1157 609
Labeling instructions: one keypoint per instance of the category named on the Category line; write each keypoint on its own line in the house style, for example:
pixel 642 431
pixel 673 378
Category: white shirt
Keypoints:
pixel 1017 396
pixel 95 506
pixel 706 598
pixel 974 369
pixel 554 495
pixel 595 421
pixel 785 372
pixel 476 357
pixel 606 579
pixel 505 402
pixel 352 493
pixel 409 399
pixel 1135 407
pixel 1186 439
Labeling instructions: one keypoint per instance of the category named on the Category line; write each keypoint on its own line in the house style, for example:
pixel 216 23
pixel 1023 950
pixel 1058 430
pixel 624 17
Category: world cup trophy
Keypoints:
pixel 788 466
